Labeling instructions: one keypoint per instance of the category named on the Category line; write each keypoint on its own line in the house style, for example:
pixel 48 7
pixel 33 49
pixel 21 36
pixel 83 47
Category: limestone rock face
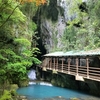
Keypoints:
pixel 52 32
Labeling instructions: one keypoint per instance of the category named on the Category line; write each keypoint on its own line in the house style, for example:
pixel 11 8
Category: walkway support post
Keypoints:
pixel 76 66
pixel 54 64
pixel 57 64
pixel 78 77
pixel 69 60
pixel 50 63
pixel 87 65
pixel 62 64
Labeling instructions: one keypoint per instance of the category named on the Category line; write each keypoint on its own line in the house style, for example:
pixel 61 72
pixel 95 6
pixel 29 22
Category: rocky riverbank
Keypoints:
pixel 57 98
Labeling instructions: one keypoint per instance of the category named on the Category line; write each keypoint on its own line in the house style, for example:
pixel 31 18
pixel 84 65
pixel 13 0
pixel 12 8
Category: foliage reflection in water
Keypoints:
pixel 42 90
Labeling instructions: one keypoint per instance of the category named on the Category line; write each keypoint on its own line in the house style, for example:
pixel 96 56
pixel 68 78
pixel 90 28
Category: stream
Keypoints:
pixel 46 91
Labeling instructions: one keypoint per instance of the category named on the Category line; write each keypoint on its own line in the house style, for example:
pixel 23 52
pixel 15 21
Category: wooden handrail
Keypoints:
pixel 87 71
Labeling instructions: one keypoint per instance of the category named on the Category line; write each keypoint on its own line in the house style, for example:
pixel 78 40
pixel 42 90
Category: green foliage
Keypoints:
pixel 9 94
pixel 22 41
pixel 52 11
pixel 32 26
pixel 13 93
pixel 13 87
pixel 9 11
pixel 16 53
pixel 6 96
pixel 35 51
pixel 83 31
pixel 36 61
pixel 69 38
pixel 29 9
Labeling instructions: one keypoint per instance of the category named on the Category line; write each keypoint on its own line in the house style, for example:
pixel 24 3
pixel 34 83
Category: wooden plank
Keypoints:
pixel 94 74
pixel 94 68
pixel 98 71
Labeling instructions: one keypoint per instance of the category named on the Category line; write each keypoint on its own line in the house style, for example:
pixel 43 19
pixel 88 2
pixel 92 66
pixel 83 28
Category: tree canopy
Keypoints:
pixel 17 53
pixel 82 32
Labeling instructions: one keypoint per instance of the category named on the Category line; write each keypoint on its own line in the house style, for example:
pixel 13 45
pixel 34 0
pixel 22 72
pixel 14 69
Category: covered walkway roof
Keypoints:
pixel 95 52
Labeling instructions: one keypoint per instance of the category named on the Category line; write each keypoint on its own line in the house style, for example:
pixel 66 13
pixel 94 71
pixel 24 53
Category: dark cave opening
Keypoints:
pixel 37 20
pixel 41 48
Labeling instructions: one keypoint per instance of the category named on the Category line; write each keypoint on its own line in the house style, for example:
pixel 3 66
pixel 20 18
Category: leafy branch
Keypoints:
pixel 10 14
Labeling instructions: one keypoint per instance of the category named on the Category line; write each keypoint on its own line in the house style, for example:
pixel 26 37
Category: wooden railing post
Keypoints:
pixel 76 66
pixel 54 63
pixel 50 63
pixel 57 65
pixel 62 64
pixel 87 65
pixel 46 63
pixel 69 60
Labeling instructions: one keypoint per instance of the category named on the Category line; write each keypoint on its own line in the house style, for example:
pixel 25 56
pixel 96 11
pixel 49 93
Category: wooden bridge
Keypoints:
pixel 73 63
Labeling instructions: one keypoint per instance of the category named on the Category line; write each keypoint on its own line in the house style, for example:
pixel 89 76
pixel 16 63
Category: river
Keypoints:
pixel 45 91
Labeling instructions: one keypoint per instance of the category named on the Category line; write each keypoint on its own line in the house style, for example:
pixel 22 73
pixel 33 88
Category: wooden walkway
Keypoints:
pixel 59 64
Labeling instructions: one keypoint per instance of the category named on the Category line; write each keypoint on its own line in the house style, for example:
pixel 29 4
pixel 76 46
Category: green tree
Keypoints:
pixel 16 51
pixel 86 25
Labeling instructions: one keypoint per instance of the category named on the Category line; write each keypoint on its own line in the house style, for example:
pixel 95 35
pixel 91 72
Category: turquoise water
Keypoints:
pixel 45 91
